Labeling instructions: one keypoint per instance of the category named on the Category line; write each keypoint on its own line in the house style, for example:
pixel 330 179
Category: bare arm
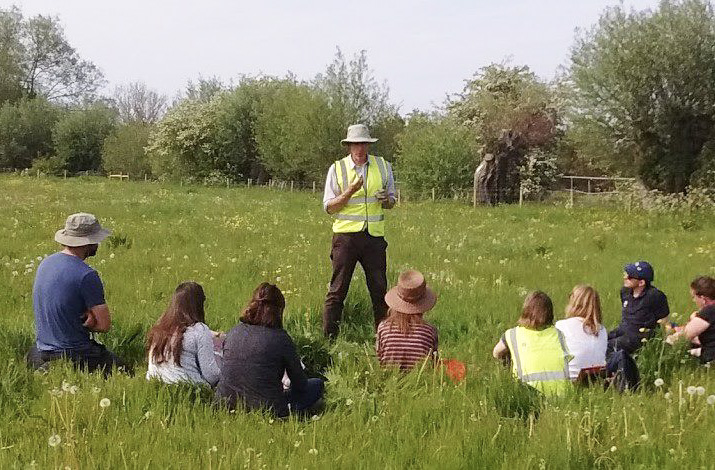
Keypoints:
pixel 694 327
pixel 98 319
pixel 500 350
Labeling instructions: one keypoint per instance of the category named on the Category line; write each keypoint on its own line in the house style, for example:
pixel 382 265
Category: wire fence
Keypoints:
pixel 568 188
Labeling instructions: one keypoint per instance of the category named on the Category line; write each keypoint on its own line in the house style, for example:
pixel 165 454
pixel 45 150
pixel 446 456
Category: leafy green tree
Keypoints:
pixel 294 140
pixel 435 152
pixel 26 131
pixel 37 58
pixel 646 80
pixel 11 55
pixel 501 98
pixel 182 143
pixel 79 137
pixel 124 150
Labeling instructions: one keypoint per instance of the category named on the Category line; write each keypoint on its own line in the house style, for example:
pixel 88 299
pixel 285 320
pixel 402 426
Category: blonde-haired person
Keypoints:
pixel 586 337
pixel 538 352
pixel 404 338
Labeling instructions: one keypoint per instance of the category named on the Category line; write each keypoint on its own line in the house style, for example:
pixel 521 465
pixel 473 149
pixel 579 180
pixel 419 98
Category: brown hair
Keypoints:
pixel 403 322
pixel 265 307
pixel 705 286
pixel 186 308
pixel 538 311
pixel 584 302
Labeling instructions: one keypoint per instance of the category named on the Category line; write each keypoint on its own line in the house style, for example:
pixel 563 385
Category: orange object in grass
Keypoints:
pixel 456 370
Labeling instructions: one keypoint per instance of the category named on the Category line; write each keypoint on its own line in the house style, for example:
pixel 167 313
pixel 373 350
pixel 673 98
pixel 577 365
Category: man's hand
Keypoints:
pixel 355 185
pixel 382 195
pixel 90 322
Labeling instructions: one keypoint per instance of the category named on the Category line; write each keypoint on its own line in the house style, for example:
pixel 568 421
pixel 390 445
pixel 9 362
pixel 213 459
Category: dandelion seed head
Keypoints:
pixel 54 440
pixel 691 390
pixel 614 448
pixel 104 402
pixel 667 395
pixel 700 390
pixel 659 382
pixel 711 400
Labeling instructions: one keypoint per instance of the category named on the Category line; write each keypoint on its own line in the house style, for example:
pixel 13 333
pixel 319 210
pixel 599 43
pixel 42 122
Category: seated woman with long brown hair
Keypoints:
pixel 256 353
pixel 180 345
pixel 537 351
pixel 404 338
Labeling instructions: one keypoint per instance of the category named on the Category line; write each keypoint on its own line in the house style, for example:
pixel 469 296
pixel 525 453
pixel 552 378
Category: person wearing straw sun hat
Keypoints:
pixel 404 338
pixel 358 188
pixel 68 301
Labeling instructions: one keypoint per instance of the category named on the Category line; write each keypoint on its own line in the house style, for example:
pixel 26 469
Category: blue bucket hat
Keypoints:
pixel 640 270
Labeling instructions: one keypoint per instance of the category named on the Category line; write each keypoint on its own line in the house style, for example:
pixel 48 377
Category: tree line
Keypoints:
pixel 637 98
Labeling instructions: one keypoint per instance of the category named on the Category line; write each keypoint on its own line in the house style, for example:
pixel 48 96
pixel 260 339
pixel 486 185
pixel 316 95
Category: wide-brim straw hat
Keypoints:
pixel 81 229
pixel 411 294
pixel 358 134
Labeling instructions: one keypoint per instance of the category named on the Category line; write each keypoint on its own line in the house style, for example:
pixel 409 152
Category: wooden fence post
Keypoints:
pixel 521 195
pixel 571 192
pixel 313 186
pixel 249 182
pixel 227 182
pixel 291 185
pixel 432 194
pixel 65 174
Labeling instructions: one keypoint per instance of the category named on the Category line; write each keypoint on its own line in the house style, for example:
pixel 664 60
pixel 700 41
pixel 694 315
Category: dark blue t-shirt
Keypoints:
pixel 65 288
pixel 643 311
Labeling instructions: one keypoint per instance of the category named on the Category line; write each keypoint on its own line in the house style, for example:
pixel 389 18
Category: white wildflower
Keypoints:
pixel 614 448
pixel 659 382
pixel 667 395
pixel 104 402
pixel 691 390
pixel 348 402
pixel 711 400
pixel 54 440
pixel 74 389
pixel 313 451
pixel 66 386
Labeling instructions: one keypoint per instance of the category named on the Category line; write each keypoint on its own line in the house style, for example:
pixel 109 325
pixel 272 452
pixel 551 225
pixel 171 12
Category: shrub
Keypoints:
pixel 435 152
pixel 79 137
pixel 26 132
pixel 123 150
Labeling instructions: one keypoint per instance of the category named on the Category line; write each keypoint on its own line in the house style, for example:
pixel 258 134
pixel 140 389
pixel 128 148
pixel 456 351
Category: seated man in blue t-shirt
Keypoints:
pixel 68 300
pixel 644 307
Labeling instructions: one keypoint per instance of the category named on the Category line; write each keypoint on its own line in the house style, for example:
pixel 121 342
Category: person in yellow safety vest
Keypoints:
pixel 358 188
pixel 536 349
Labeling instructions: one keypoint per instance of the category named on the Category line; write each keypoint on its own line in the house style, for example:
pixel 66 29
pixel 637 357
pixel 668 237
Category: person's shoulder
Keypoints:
pixel 707 313
pixel 199 328
pixel 656 295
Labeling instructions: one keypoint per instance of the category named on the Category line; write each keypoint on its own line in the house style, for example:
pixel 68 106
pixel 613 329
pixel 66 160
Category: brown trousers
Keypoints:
pixel 348 249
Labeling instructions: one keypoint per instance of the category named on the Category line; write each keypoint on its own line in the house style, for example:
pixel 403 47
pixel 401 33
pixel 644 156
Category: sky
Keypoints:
pixel 424 50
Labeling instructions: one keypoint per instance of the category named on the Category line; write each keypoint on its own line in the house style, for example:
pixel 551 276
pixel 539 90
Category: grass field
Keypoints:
pixel 481 263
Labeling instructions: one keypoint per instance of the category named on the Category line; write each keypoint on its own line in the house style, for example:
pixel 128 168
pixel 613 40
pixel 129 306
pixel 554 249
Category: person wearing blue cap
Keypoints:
pixel 644 307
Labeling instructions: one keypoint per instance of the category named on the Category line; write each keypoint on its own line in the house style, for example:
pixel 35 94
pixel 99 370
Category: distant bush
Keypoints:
pixel 435 152
pixel 26 132
pixel 123 150
pixel 79 137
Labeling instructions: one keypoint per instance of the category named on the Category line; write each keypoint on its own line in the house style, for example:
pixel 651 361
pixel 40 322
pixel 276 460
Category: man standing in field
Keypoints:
pixel 644 307
pixel 68 300
pixel 357 190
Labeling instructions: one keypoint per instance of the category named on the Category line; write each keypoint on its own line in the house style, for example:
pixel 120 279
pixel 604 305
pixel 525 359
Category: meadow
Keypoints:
pixel 481 262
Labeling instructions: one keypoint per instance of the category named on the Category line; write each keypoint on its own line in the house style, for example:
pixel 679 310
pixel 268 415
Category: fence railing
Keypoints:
pixel 572 185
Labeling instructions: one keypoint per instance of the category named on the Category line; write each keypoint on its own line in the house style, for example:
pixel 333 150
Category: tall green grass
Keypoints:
pixel 481 263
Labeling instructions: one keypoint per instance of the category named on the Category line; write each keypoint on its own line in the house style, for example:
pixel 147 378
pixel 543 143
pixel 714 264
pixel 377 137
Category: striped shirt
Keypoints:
pixel 405 349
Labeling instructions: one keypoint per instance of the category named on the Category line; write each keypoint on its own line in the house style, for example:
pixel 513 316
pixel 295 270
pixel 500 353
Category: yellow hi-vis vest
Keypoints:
pixel 540 358
pixel 363 207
